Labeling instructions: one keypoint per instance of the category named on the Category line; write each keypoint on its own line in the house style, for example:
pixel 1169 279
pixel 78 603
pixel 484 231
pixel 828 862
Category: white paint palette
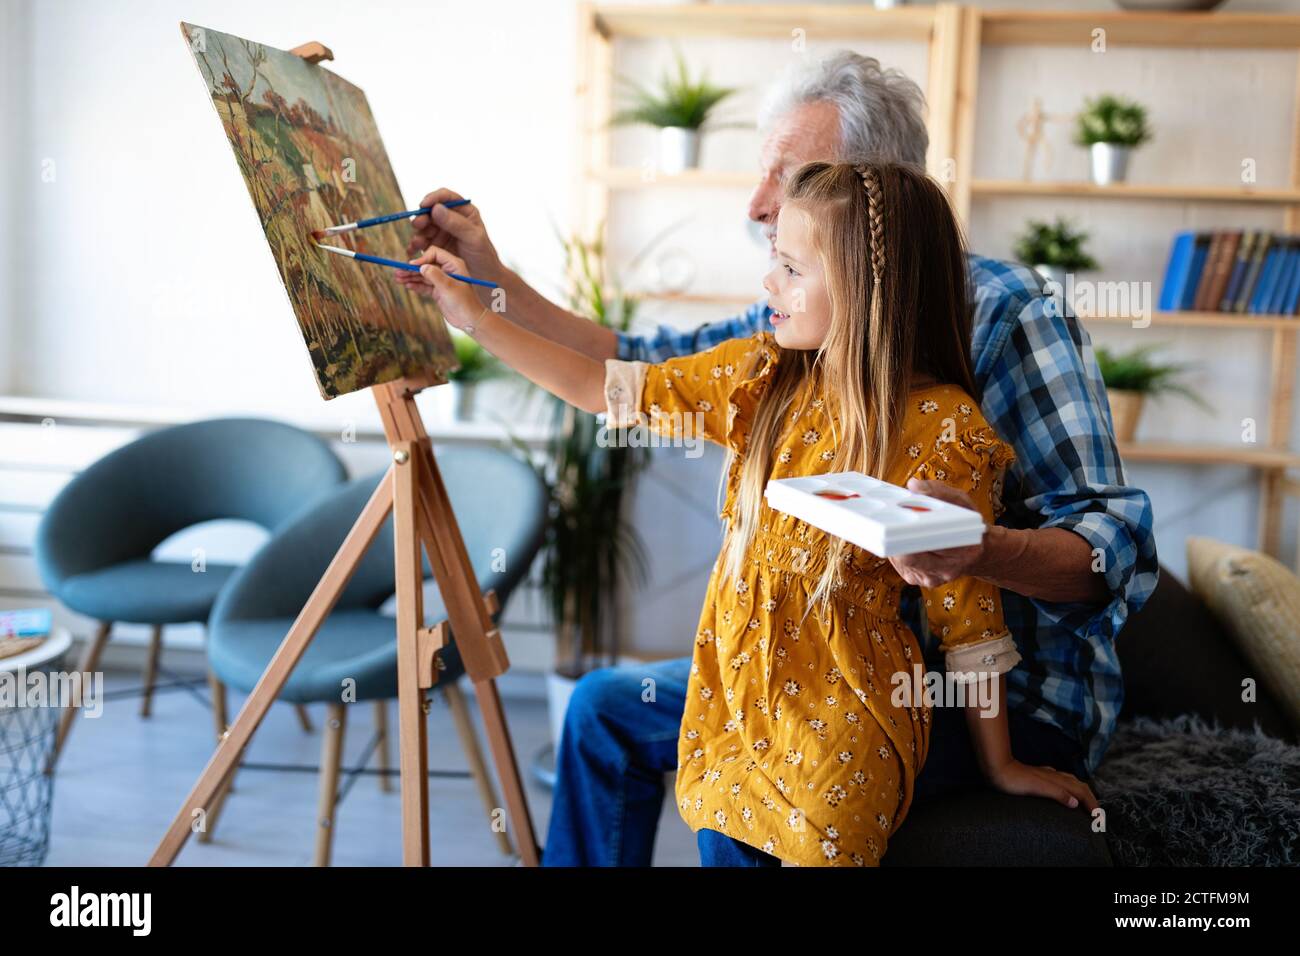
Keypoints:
pixel 881 518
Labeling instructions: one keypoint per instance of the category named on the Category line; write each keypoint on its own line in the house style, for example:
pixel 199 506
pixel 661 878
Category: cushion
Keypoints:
pixel 1259 601
pixel 146 592
pixel 352 645
pixel 1186 792
pixel 1177 658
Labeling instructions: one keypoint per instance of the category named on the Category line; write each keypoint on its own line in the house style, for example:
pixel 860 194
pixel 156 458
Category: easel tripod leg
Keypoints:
pixel 413 743
pixel 474 754
pixel 503 755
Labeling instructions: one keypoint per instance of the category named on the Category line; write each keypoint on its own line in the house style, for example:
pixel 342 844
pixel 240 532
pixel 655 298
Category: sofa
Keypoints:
pixel 1177 660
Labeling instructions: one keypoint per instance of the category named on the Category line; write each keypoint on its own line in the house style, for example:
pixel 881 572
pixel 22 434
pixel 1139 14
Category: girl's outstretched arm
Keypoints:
pixel 986 718
pixel 572 376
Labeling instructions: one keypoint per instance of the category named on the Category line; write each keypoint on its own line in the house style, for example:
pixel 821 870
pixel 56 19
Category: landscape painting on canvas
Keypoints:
pixel 311 156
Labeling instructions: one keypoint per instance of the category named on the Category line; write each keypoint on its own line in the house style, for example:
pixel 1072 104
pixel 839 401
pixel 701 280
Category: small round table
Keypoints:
pixel 27 728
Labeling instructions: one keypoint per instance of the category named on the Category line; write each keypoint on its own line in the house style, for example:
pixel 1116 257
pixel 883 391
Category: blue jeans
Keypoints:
pixel 716 849
pixel 619 740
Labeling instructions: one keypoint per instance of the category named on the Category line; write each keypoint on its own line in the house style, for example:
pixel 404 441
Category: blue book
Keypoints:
pixel 1284 270
pixel 1250 281
pixel 33 622
pixel 1176 272
pixel 1292 289
pixel 1268 273
pixel 1200 252
pixel 1244 252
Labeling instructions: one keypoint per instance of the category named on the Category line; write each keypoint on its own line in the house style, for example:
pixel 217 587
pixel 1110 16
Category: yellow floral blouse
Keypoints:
pixel 791 740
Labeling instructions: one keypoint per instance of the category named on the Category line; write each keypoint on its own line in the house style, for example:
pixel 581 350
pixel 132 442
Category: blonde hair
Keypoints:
pixel 895 273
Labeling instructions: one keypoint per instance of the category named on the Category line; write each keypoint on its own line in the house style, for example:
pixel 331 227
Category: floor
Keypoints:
pixel 122 779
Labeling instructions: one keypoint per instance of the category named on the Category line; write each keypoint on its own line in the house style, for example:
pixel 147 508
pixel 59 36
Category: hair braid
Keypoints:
pixel 875 219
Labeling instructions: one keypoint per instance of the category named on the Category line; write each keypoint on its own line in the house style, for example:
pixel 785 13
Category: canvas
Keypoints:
pixel 312 157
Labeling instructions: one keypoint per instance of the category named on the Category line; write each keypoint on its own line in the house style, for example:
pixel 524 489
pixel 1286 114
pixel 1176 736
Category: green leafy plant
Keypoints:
pixel 679 101
pixel 1135 371
pixel 477 364
pixel 1112 119
pixel 1055 244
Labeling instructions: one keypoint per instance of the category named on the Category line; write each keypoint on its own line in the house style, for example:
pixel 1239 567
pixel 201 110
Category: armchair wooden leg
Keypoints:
pixel 151 670
pixel 220 714
pixel 477 766
pixel 381 745
pixel 89 661
pixel 217 690
pixel 218 802
pixel 331 761
pixel 304 717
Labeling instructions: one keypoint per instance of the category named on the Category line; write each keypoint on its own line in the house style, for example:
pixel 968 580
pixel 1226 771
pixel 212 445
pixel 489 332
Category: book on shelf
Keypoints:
pixel 29 622
pixel 1232 270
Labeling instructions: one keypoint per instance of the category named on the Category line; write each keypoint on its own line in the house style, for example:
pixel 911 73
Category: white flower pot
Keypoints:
pixel 679 149
pixel 465 394
pixel 1109 163
pixel 1051 274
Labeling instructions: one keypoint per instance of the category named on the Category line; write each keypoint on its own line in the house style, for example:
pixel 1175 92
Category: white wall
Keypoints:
pixel 15 116
pixel 124 287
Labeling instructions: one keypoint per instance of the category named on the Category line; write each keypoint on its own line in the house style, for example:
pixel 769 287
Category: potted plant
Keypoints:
pixel 680 109
pixel 477 365
pixel 590 547
pixel 1110 126
pixel 1131 377
pixel 1053 249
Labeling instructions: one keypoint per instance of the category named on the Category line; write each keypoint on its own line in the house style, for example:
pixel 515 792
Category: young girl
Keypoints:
pixel 793 745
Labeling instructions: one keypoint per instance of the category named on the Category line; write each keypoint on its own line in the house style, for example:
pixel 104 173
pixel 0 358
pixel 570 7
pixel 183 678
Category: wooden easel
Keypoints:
pixel 413 491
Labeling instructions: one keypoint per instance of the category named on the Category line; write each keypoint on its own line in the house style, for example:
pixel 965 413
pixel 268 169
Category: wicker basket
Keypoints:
pixel 12 646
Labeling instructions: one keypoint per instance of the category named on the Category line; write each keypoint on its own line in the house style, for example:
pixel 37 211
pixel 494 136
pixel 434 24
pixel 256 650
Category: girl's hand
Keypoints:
pixel 456 299
pixel 460 231
pixel 1023 780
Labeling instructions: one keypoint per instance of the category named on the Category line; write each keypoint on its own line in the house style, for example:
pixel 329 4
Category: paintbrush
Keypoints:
pixel 377 220
pixel 393 263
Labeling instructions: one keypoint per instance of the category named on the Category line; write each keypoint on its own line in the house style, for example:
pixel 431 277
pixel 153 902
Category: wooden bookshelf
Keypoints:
pixel 1229 320
pixel 756 21
pixel 1167 30
pixel 700 298
pixel 632 178
pixel 1131 191
pixel 1202 30
pixel 955 36
pixel 939 27
pixel 1177 453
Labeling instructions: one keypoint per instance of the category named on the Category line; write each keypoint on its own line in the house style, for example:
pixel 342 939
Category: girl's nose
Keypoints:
pixel 767 282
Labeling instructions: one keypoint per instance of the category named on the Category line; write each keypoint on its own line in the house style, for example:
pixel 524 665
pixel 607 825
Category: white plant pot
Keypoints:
pixel 559 689
pixel 679 149
pixel 1109 163
pixel 1051 274
pixel 465 395
pixel 444 403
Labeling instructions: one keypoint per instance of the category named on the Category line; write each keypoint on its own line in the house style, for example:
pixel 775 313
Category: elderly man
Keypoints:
pixel 1074 552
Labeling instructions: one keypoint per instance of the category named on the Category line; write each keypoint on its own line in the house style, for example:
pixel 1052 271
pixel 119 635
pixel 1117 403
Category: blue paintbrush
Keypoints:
pixel 377 220
pixel 393 263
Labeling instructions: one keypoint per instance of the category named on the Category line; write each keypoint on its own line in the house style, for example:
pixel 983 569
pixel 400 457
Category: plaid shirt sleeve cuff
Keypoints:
pixel 1131 574
pixel 630 347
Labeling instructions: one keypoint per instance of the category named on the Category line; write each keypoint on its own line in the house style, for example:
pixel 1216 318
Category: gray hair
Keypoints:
pixel 880 110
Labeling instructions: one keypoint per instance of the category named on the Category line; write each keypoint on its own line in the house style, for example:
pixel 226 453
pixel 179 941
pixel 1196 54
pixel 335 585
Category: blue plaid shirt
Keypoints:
pixel 1043 393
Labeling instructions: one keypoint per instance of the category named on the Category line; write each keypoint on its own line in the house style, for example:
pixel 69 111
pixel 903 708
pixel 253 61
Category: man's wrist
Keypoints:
pixel 1003 548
